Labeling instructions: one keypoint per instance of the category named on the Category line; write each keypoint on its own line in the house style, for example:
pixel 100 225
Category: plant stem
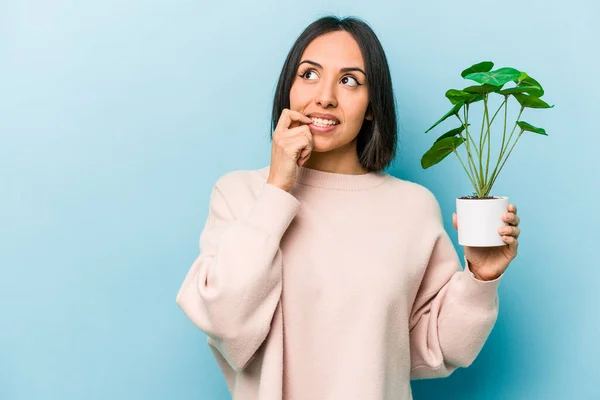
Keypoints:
pixel 469 138
pixel 514 127
pixel 518 137
pixel 489 140
pixel 459 159
pixel 468 156
pixel 465 124
pixel 492 121
pixel 502 147
pixel 505 103
pixel 481 179
pixel 494 116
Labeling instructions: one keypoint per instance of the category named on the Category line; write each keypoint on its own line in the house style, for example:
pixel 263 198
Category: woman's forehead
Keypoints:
pixel 334 50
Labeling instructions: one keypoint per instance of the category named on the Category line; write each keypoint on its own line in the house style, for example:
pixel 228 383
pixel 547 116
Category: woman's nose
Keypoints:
pixel 326 96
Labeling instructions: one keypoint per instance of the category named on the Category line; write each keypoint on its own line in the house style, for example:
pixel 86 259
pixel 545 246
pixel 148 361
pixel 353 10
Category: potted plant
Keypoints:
pixel 480 215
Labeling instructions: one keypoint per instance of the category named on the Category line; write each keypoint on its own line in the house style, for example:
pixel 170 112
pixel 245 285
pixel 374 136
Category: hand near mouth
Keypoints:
pixel 292 146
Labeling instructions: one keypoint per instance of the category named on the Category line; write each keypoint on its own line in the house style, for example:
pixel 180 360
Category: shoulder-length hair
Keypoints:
pixel 377 138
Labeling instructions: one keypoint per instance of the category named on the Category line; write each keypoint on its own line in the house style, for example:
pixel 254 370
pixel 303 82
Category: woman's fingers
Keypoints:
pixel 511 218
pixel 303 139
pixel 287 116
pixel 514 231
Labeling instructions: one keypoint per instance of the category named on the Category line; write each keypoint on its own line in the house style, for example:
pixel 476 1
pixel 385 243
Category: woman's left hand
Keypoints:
pixel 488 263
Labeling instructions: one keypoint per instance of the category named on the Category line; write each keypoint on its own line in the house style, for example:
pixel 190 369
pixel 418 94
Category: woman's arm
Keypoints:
pixel 232 288
pixel 453 313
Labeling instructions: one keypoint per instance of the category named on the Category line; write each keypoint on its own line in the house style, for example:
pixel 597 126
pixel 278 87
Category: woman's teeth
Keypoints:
pixel 323 122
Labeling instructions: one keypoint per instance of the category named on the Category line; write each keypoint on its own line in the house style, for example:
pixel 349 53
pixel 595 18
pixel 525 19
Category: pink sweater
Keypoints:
pixel 346 288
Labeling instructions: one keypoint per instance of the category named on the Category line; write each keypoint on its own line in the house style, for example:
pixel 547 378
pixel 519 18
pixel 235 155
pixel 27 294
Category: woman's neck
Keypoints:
pixel 336 162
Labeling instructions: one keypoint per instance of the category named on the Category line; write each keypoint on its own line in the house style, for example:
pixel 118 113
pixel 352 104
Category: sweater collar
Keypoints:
pixel 331 180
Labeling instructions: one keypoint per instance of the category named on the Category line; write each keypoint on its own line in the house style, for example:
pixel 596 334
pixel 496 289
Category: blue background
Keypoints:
pixel 116 118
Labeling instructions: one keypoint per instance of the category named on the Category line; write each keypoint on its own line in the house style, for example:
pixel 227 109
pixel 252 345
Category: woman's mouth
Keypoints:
pixel 323 125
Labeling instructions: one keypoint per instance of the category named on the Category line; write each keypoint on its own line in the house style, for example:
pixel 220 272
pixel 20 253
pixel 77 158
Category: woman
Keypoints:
pixel 321 277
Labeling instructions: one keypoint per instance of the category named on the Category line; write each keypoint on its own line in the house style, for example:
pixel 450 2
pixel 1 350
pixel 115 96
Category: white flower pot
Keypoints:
pixel 479 220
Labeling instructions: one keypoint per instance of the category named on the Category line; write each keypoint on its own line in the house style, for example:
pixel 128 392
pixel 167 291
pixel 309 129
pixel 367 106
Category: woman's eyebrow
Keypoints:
pixel 347 69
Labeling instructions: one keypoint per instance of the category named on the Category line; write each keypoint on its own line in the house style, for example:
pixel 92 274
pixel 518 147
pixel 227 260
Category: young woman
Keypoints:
pixel 321 277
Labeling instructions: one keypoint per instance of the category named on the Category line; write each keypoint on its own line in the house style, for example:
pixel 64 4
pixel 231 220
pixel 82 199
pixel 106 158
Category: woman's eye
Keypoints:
pixel 353 78
pixel 344 79
pixel 305 73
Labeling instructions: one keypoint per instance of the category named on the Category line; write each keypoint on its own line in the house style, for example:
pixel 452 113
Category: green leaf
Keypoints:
pixel 451 133
pixel 482 89
pixel 530 128
pixel 531 101
pixel 521 89
pixel 453 111
pixel 497 78
pixel 526 80
pixel 440 150
pixel 456 96
pixel 484 66
pixel 521 77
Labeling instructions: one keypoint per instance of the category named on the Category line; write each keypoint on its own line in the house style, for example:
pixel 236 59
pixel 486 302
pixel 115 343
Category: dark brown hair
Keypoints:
pixel 377 139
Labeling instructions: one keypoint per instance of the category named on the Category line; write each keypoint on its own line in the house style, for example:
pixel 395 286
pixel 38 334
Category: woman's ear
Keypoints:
pixel 369 114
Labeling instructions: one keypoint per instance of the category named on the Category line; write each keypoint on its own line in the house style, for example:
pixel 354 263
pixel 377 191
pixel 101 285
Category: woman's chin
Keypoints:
pixel 321 146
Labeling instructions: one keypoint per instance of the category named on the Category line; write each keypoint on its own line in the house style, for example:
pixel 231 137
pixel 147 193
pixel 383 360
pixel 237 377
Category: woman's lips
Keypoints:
pixel 322 129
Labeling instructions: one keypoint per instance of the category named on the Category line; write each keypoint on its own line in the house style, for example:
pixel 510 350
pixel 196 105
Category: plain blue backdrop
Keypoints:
pixel 116 118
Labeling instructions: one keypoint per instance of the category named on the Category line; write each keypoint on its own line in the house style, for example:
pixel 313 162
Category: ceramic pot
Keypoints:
pixel 479 220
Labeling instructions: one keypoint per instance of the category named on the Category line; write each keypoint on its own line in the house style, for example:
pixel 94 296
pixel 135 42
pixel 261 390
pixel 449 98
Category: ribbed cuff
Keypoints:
pixel 467 267
pixel 274 210
pixel 475 292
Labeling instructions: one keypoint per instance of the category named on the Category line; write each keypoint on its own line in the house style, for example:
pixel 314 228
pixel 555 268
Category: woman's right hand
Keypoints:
pixel 292 146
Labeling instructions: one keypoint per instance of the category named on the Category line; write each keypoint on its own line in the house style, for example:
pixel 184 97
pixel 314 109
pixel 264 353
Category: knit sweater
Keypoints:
pixel 345 288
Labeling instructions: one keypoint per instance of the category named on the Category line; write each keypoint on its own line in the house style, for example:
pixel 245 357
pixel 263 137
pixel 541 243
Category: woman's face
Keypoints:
pixel 330 79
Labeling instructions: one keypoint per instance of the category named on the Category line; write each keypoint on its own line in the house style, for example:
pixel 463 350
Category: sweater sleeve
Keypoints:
pixel 232 288
pixel 452 315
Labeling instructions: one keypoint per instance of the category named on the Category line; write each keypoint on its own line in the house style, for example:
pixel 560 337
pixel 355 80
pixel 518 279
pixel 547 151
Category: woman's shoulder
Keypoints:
pixel 240 188
pixel 239 178
pixel 411 187
pixel 416 193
